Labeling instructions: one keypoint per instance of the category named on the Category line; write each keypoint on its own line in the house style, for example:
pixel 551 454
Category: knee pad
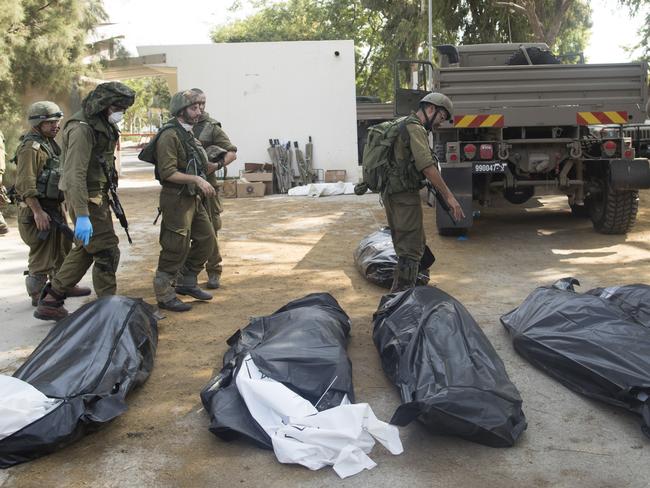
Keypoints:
pixel 107 260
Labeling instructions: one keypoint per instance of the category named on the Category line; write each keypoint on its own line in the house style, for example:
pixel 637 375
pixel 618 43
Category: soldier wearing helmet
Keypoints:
pixel 222 152
pixel 40 200
pixel 89 136
pixel 186 233
pixel 414 162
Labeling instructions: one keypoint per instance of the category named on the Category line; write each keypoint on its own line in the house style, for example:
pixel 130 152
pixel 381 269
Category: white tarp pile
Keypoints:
pixel 322 189
pixel 20 405
pixel 340 437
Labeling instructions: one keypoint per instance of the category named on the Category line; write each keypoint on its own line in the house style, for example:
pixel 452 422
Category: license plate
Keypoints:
pixel 490 167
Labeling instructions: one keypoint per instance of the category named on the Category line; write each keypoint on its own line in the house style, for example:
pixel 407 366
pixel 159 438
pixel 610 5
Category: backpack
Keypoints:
pixel 148 153
pixel 378 153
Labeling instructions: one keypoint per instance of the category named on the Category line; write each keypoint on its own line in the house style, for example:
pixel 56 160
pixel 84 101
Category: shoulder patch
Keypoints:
pixel 36 145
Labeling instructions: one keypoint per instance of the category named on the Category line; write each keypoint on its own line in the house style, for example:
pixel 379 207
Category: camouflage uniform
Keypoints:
pixel 186 233
pixel 402 197
pixel 47 251
pixel 87 136
pixel 216 144
pixel 3 225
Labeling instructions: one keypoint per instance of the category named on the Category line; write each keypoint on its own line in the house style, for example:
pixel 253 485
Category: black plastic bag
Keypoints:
pixel 91 360
pixel 302 345
pixel 596 343
pixel 448 374
pixel 375 259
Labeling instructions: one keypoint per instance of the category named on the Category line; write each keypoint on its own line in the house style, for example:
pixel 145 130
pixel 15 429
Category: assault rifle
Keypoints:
pixel 113 199
pixel 431 194
pixel 56 219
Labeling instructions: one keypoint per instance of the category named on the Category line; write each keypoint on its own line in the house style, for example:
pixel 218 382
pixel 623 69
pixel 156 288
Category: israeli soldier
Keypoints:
pixel 41 218
pixel 221 151
pixel 186 233
pixel 414 161
pixel 4 228
pixel 89 140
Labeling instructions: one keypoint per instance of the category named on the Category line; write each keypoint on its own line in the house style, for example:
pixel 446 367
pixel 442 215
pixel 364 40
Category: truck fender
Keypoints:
pixel 458 177
pixel 629 174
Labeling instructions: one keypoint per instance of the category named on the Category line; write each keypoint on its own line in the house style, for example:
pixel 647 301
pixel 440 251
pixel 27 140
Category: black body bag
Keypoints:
pixel 448 374
pixel 595 343
pixel 302 345
pixel 375 259
pixel 90 360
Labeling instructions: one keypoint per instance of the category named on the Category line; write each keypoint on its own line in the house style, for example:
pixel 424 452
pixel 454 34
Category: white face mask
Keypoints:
pixel 187 127
pixel 115 117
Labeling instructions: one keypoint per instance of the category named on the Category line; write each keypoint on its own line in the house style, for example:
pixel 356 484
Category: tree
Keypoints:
pixel 635 6
pixel 562 24
pixel 42 43
pixel 383 30
pixel 386 30
pixel 151 104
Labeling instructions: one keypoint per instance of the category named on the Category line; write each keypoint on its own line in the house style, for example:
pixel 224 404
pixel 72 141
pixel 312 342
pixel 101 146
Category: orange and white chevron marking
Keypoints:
pixel 484 120
pixel 597 118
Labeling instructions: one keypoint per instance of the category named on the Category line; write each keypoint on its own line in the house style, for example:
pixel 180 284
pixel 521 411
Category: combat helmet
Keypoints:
pixel 181 100
pixel 43 111
pixel 439 100
pixel 107 94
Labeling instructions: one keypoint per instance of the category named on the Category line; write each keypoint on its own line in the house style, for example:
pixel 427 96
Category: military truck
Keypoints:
pixel 526 124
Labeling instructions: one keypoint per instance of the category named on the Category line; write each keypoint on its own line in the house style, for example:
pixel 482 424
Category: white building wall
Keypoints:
pixel 280 90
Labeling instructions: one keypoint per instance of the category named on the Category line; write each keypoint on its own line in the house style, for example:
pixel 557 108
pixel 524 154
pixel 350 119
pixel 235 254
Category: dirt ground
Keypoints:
pixel 277 249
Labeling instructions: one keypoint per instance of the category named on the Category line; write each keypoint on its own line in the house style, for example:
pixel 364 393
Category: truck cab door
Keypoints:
pixel 413 80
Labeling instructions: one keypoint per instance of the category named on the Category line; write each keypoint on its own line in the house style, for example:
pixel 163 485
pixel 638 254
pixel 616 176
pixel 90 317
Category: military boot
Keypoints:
pixel 34 284
pixel 405 275
pixel 214 280
pixel 186 284
pixel 165 294
pixel 50 305
pixel 78 291
pixel 175 305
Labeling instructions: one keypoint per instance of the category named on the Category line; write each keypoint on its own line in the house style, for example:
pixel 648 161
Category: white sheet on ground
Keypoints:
pixel 340 437
pixel 322 189
pixel 20 405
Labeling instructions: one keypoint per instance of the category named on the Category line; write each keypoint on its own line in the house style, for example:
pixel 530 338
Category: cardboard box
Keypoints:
pixel 247 190
pixel 251 167
pixel 230 189
pixel 334 175
pixel 262 172
pixel 266 178
pixel 253 177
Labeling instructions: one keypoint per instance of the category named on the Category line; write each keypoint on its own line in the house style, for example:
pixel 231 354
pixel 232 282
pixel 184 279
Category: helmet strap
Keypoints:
pixel 428 121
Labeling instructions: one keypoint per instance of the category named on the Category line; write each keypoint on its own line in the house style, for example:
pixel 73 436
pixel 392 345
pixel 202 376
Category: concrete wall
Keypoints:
pixel 280 90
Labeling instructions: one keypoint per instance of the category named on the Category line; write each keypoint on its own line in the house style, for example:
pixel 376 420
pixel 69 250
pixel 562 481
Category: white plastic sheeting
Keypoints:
pixel 20 405
pixel 322 189
pixel 340 437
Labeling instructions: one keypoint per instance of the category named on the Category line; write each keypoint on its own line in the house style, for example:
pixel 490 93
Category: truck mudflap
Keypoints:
pixel 458 177
pixel 629 174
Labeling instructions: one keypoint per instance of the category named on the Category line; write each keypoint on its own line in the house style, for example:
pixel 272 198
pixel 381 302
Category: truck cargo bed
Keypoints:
pixel 547 94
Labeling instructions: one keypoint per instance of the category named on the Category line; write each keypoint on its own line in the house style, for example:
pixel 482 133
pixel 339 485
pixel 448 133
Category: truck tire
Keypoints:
pixel 536 55
pixel 613 212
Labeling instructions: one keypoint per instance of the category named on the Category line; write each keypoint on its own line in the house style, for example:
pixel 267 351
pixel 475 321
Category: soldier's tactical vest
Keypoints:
pixel 47 180
pixel 403 175
pixel 195 162
pixel 105 137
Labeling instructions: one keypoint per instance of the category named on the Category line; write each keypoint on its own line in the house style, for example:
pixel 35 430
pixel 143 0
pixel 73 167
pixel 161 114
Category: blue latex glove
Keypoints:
pixel 83 229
